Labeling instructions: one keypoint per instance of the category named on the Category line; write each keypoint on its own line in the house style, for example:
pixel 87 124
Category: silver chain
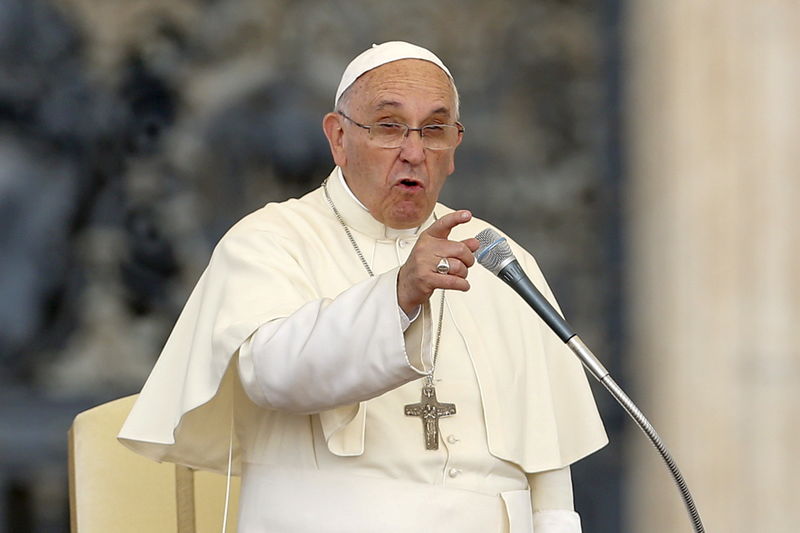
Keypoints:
pixel 346 229
pixel 428 377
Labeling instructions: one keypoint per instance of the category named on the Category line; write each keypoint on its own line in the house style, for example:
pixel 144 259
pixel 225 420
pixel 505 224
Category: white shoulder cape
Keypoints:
pixel 538 407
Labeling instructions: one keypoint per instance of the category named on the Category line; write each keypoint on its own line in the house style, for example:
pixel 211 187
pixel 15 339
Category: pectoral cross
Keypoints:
pixel 430 411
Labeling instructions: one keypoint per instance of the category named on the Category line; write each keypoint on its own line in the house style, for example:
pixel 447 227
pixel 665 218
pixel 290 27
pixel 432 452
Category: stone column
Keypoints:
pixel 713 241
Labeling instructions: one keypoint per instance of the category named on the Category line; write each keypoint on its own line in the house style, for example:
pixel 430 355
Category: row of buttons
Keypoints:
pixel 453 472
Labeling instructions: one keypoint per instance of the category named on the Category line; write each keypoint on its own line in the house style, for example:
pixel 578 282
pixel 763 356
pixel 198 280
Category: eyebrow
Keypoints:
pixel 387 103
pixel 383 104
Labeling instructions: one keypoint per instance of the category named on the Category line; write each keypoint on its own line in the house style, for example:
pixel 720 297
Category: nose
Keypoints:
pixel 411 149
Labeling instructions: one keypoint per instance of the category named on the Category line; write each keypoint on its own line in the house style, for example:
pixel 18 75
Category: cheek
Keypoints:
pixel 443 166
pixel 359 160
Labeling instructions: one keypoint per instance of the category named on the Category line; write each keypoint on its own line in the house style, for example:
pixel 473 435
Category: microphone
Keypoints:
pixel 495 254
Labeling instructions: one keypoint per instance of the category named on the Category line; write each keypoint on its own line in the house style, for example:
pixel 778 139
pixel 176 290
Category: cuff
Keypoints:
pixel 556 521
pixel 417 337
pixel 406 320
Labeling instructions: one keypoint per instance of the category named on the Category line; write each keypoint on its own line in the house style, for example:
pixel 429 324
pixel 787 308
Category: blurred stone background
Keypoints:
pixel 133 133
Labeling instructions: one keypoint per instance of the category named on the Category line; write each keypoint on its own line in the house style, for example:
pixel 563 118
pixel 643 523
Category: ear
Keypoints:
pixel 334 131
pixel 452 167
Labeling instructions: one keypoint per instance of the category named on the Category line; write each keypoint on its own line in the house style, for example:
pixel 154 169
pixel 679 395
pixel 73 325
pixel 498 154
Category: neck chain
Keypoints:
pixel 428 409
pixel 340 218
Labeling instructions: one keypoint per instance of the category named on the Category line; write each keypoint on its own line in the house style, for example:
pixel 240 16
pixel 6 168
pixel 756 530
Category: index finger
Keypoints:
pixel 441 228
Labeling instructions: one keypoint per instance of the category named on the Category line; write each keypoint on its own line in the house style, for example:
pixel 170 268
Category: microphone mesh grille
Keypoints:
pixel 493 252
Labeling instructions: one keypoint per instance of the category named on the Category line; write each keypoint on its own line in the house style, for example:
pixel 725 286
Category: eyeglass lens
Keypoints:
pixel 434 136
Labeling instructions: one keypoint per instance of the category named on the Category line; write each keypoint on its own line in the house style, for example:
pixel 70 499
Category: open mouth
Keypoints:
pixel 410 184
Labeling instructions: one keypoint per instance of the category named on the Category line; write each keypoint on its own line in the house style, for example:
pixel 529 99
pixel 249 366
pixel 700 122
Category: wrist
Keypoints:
pixel 406 304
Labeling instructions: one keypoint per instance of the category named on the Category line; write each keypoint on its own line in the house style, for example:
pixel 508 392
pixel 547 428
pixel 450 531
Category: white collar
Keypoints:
pixel 358 217
pixel 348 189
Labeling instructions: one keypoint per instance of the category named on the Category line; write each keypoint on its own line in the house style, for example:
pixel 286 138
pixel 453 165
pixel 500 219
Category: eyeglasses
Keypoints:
pixel 392 134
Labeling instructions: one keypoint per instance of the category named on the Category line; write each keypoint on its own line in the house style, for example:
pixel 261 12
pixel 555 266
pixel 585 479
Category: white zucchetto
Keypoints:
pixel 380 54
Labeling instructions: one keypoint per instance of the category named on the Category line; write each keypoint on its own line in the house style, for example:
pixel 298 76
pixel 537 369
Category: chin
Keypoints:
pixel 407 221
pixel 407 216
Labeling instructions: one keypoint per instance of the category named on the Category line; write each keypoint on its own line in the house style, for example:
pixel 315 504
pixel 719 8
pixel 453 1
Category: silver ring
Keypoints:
pixel 444 266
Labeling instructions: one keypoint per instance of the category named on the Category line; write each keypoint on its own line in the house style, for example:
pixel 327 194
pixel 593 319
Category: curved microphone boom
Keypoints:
pixel 495 254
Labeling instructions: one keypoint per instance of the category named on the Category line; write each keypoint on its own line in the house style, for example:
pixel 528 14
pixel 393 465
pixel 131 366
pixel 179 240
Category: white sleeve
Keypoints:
pixel 334 352
pixel 407 320
pixel 552 502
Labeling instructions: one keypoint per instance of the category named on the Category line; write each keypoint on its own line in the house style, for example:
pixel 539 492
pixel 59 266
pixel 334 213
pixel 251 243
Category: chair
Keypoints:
pixel 112 489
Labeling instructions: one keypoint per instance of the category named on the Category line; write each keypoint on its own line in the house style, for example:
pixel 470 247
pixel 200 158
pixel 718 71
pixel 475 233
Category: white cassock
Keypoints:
pixel 326 364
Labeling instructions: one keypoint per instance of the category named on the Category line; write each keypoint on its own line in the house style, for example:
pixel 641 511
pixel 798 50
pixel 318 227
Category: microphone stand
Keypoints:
pixel 495 254
pixel 596 368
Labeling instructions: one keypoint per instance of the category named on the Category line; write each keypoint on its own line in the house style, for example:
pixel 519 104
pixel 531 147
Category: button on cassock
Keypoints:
pixel 454 472
pixel 452 439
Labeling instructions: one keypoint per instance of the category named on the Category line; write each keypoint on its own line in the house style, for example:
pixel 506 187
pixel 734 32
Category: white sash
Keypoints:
pixel 285 500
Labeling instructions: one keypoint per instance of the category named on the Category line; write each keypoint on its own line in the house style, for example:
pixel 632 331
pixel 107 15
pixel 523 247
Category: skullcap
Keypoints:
pixel 380 54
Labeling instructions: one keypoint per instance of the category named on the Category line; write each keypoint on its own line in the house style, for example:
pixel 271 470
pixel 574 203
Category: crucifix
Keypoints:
pixel 430 411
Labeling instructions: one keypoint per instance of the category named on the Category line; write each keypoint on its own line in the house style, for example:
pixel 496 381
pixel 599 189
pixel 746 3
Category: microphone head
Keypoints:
pixel 494 253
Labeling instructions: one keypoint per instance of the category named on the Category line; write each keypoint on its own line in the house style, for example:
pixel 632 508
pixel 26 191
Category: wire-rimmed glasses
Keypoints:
pixel 392 134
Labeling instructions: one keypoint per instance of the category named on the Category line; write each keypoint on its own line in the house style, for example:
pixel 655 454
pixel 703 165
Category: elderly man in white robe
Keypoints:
pixel 335 355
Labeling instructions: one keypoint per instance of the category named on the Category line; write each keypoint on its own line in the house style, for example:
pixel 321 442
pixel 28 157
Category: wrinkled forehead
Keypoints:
pixel 394 85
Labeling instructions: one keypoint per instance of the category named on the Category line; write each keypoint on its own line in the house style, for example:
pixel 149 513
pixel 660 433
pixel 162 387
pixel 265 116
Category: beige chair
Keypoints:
pixel 112 489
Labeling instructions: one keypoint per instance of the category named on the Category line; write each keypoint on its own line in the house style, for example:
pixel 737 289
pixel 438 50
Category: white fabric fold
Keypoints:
pixel 360 504
pixel 538 407
pixel 551 489
pixel 556 521
pixel 312 361
pixel 518 509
